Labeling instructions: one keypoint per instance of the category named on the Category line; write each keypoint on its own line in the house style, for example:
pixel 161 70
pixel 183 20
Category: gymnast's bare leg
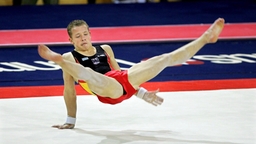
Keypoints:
pixel 148 69
pixel 100 84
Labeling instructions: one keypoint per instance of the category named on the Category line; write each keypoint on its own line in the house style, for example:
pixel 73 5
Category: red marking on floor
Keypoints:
pixel 43 91
pixel 125 34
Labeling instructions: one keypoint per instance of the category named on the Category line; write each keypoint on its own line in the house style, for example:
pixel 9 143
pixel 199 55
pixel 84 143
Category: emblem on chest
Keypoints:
pixel 95 60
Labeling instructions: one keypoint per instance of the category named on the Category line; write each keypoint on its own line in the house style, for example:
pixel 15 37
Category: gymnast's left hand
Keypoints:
pixel 152 98
pixel 64 126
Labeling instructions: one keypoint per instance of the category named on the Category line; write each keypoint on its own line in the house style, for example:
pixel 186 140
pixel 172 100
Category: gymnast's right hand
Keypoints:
pixel 64 126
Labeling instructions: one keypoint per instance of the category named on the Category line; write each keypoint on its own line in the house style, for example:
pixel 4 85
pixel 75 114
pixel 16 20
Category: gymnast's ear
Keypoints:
pixel 71 41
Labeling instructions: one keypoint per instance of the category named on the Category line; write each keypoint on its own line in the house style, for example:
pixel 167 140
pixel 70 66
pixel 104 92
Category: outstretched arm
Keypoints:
pixel 70 101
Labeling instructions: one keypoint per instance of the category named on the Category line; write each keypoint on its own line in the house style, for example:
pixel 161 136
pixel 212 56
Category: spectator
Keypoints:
pixel 16 2
pixel 33 2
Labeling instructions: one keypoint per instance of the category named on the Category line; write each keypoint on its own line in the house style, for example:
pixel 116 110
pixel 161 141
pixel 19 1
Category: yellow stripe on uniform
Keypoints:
pixel 85 86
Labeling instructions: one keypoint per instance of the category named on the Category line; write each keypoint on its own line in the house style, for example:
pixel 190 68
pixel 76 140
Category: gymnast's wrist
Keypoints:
pixel 70 120
pixel 141 92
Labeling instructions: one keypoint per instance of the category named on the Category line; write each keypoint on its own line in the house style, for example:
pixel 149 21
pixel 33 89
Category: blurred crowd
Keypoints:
pixel 63 2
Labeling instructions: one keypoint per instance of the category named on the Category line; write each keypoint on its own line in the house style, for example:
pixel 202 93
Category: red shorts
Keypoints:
pixel 122 78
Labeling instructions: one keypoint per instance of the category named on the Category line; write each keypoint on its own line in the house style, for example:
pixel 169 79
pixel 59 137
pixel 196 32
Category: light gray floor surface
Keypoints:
pixel 192 117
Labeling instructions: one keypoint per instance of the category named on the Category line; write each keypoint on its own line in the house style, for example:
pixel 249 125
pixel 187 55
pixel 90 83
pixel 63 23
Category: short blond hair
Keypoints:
pixel 75 23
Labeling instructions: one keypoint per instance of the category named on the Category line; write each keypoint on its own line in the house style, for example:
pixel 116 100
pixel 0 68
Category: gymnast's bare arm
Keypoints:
pixel 111 55
pixel 69 95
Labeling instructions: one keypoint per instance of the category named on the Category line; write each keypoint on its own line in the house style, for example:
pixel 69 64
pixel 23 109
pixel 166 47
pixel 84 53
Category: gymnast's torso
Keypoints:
pixel 99 62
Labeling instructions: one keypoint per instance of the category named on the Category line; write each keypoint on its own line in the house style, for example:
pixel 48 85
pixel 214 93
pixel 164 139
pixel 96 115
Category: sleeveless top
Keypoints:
pixel 100 62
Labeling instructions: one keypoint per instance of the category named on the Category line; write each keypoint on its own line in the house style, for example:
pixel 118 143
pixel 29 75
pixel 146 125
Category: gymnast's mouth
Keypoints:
pixel 83 44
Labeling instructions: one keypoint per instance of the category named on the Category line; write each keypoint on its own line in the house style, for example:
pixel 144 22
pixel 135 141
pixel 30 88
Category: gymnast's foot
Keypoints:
pixel 211 35
pixel 47 54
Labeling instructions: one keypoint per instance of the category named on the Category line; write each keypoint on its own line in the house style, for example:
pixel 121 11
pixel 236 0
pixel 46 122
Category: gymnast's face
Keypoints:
pixel 81 38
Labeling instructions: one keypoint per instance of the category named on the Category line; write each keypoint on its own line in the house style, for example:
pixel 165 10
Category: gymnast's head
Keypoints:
pixel 76 23
pixel 79 34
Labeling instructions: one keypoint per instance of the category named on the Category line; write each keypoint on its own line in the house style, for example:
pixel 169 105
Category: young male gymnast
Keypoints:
pixel 96 69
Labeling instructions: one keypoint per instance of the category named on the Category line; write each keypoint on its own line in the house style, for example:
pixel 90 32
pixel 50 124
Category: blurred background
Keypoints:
pixel 71 2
